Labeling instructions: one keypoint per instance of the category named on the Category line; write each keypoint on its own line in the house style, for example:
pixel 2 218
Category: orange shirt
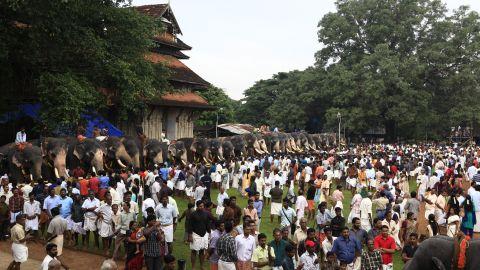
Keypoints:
pixel 83 187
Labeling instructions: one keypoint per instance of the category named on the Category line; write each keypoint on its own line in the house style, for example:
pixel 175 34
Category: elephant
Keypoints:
pixel 133 146
pixel 22 162
pixel 273 142
pixel 228 148
pixel 252 144
pixel 54 151
pixel 239 145
pixel 197 149
pixel 177 152
pixel 290 145
pixel 154 152
pixel 116 150
pixel 262 143
pixel 87 153
pixel 318 141
pixel 437 253
pixel 301 141
pixel 311 142
pixel 282 142
pixel 216 150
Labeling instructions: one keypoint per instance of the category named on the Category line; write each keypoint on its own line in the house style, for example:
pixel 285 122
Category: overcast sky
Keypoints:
pixel 236 43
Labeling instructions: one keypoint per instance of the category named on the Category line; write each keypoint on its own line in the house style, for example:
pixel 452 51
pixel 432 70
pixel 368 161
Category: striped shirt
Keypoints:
pixel 226 248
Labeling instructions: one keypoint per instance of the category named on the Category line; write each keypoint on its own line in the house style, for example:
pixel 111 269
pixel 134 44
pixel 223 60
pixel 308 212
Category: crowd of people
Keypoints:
pixel 133 214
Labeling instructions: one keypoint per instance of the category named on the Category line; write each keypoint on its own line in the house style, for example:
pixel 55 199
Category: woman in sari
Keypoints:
pixel 133 247
pixel 468 216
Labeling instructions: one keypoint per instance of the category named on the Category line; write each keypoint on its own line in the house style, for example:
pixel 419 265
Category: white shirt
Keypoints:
pixel 46 261
pixel 245 247
pixel 121 189
pixel 26 190
pixel 21 137
pixel 115 196
pixel 221 197
pixel 308 261
pixel 148 202
pixel 472 170
pixel 165 214
pixel 300 206
pixel 365 208
pixel 89 204
pixel 327 246
pixel 287 216
pixel 199 191
pixel 31 209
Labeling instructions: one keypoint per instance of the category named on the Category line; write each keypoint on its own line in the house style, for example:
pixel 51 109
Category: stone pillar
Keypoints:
pixel 171 124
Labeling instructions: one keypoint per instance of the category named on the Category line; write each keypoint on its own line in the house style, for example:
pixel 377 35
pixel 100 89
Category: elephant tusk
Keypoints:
pixel 121 164
pixel 205 159
pixel 31 177
pixel 259 151
pixel 56 173
pixel 183 162
pixel 93 170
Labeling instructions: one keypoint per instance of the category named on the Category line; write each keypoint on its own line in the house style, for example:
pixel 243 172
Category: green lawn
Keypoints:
pixel 182 251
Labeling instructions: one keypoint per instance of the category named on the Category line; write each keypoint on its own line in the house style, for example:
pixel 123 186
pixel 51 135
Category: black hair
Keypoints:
pixel 310 230
pixel 50 246
pixel 198 203
pixel 55 211
pixel 289 248
pixel 168 258
pixel 262 236
pixel 228 226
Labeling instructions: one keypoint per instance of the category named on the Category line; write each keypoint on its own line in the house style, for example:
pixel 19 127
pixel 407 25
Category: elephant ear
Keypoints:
pixel 193 147
pixel 16 161
pixel 438 263
pixel 79 152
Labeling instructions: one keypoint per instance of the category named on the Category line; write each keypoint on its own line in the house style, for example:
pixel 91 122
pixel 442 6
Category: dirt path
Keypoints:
pixel 74 258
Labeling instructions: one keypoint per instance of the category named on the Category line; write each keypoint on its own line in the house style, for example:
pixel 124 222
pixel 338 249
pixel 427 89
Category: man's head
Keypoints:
pixel 20 219
pixel 311 233
pixel 290 251
pixel 63 193
pixel 3 198
pixel 51 249
pixel 345 232
pixel 413 239
pixel 169 262
pixel 233 201
pixel 91 195
pixel 377 223
pixel 303 223
pixel 151 219
pixel 200 205
pixel 331 257
pixel 164 200
pixel 31 196
pixel 51 192
pixel 277 183
pixel 310 246
pixel 257 196
pixel 356 223
pixel 108 198
pixel 220 225
pixel 384 230
pixel 322 206
pixel 277 234
pixel 286 203
pixel 55 211
pixel 370 245
pixel 262 239
pixel 338 211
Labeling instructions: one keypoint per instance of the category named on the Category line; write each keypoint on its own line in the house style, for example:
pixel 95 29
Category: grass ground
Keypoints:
pixel 182 251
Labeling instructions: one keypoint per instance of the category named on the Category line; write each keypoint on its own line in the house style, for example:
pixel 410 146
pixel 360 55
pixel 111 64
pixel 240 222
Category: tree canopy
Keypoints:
pixel 60 53
pixel 225 107
pixel 405 66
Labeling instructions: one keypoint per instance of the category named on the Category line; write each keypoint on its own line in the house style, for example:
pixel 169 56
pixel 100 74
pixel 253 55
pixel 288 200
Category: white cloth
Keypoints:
pixel 90 223
pixel 45 262
pixel 148 202
pixel 104 229
pixel 275 208
pixel 19 252
pixel 58 240
pixel 245 247
pixel 308 261
pixel 31 209
pixel 168 231
pixel 226 265
pixel 300 206
pixel 21 137
pixel 199 242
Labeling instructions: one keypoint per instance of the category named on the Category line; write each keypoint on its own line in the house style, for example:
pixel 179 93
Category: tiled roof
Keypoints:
pixel 182 99
pixel 153 10
pixel 180 72
pixel 170 40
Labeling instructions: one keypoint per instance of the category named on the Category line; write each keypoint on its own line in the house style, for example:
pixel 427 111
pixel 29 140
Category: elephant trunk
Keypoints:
pixel 122 156
pixel 36 170
pixel 158 159
pixel 136 160
pixel 97 161
pixel 59 164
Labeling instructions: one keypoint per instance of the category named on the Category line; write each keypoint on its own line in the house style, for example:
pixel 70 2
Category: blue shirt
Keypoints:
pixel 66 206
pixel 104 182
pixel 259 206
pixel 345 248
pixel 164 173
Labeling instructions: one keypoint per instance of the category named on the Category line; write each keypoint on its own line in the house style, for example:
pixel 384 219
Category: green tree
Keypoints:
pixel 60 53
pixel 224 106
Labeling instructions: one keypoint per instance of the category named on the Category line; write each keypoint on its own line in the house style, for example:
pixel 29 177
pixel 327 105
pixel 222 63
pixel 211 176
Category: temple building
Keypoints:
pixel 173 113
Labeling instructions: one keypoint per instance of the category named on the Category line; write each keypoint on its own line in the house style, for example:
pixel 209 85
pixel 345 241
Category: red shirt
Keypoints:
pixel 94 184
pixel 389 243
pixel 83 187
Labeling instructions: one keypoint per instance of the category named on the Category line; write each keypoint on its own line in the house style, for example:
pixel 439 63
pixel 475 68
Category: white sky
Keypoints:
pixel 238 42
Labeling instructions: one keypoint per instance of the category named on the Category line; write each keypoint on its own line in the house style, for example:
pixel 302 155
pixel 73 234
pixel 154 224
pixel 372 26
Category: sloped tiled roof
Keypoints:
pixel 182 99
pixel 180 72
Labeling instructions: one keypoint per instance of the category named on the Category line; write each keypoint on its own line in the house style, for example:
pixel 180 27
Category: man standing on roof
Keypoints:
pixel 21 137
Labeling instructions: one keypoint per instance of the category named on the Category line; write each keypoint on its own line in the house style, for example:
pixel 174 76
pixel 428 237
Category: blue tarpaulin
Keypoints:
pixel 32 111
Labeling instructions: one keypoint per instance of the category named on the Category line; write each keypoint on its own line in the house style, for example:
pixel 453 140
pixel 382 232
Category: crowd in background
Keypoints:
pixel 133 214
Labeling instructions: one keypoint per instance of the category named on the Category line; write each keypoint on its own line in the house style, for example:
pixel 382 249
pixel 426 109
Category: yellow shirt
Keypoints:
pixel 17 233
pixel 260 255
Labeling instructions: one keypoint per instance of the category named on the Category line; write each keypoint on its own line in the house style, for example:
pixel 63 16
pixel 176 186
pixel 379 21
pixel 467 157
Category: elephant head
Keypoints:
pixel 25 161
pixel 153 152
pixel 252 144
pixel 262 143
pixel 228 148
pixel 216 150
pixel 177 151
pixel 87 152
pixel 54 151
pixel 311 142
pixel 272 142
pixel 200 148
pixel 132 146
pixel 239 145
pixel 115 151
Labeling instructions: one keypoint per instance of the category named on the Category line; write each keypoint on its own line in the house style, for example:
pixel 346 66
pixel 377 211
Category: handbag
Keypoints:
pixel 292 226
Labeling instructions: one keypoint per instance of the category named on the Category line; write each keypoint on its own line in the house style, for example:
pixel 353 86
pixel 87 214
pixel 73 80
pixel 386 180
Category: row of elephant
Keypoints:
pixel 50 157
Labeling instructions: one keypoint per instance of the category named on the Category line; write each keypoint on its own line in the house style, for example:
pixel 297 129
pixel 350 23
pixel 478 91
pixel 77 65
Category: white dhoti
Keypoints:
pixel 476 228
pixel 226 265
pixel 31 224
pixel 77 227
pixel 69 223
pixel 90 223
pixel 218 178
pixel 180 185
pixel 168 232
pixel 105 229
pixel 199 242
pixel 266 192
pixel 58 240
pixel 275 208
pixel 365 224
pixel 13 216
pixel 19 252
pixel 219 210
pixel 352 182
